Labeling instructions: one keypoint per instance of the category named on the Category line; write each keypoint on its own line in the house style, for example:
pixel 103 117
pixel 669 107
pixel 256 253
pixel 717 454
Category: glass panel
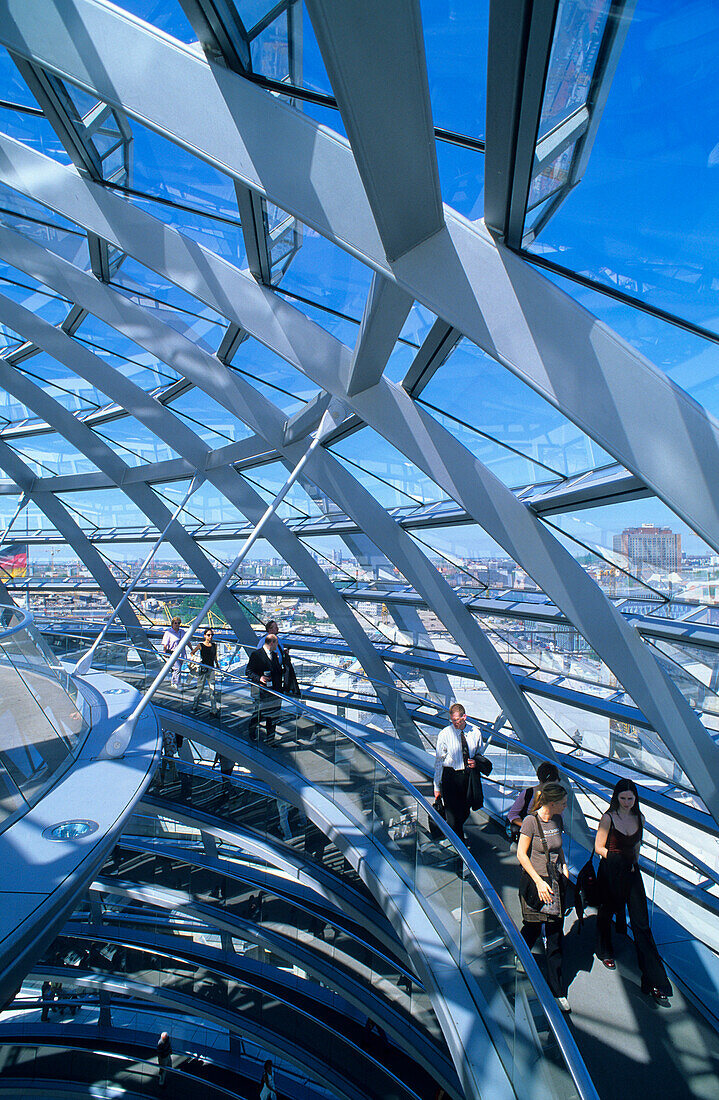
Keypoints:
pixel 483 396
pixel 167 15
pixel 32 130
pixel 214 425
pixel 170 304
pixel 126 357
pixel 50 453
pixel 461 177
pixel 43 226
pixel 644 216
pixel 390 477
pixel 42 720
pixel 455 41
pixel 690 360
pixel 276 379
pixel 33 295
pixel 327 275
pixel 577 37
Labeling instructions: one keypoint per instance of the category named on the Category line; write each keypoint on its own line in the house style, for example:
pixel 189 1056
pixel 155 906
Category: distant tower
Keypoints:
pixel 658 547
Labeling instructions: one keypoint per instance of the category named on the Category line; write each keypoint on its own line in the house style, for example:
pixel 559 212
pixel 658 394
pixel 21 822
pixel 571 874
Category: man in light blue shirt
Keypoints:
pixel 457 747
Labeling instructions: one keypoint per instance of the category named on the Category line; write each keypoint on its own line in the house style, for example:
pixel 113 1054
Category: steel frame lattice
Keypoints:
pixel 377 196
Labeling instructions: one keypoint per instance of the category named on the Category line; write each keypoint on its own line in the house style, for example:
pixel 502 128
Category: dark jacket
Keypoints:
pixel 164 1048
pixel 260 664
pixel 290 685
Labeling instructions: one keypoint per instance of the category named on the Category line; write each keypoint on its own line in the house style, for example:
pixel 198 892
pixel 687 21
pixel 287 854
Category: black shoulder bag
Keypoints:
pixel 434 830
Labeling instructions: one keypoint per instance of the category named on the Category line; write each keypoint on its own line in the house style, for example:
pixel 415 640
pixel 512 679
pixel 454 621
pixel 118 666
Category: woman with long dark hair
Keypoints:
pixel 619 837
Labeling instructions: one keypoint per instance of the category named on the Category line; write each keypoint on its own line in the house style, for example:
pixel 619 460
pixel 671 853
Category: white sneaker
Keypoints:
pixel 564 1004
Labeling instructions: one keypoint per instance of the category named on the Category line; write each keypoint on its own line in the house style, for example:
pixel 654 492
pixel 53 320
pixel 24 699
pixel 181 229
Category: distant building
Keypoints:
pixel 658 547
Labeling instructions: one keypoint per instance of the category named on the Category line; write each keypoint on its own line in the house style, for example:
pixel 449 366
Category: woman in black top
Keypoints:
pixel 206 673
pixel 619 881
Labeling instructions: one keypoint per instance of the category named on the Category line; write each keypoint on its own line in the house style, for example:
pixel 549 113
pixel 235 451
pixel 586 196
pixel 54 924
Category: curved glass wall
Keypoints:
pixel 44 715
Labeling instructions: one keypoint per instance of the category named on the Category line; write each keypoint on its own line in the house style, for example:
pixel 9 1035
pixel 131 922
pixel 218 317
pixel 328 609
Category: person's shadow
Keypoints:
pixel 579 946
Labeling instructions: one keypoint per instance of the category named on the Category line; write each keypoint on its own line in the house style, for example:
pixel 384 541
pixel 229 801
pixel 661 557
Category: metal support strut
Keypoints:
pixel 115 747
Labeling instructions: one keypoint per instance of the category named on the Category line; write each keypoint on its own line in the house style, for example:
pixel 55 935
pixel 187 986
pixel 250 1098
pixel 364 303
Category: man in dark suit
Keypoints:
pixel 264 668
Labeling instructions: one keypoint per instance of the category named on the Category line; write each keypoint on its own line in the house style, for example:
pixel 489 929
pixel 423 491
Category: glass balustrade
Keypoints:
pixel 44 717
pixel 99 1073
pixel 486 948
pixel 260 1002
pixel 345 945
pixel 676 856
pixel 513 767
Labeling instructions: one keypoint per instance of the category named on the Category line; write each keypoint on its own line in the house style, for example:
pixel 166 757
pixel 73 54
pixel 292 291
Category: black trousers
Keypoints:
pixel 622 887
pixel 454 796
pixel 265 709
pixel 553 950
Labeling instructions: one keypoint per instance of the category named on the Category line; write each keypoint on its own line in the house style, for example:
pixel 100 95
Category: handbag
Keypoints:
pixel 434 830
pixel 586 891
pixel 290 686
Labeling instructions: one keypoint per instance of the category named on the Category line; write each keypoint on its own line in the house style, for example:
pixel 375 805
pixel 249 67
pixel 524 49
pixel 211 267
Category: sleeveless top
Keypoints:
pixel 208 654
pixel 623 843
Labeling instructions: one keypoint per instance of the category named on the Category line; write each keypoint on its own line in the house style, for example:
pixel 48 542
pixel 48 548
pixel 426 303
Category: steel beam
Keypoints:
pixel 253 220
pixel 262 416
pixel 163 423
pixel 520 42
pixel 306 419
pixel 385 312
pixel 374 56
pixel 220 31
pixel 586 120
pixel 488 293
pixel 65 120
pixel 325 470
pixel 53 341
pixel 438 344
pixel 75 538
pixel 391 412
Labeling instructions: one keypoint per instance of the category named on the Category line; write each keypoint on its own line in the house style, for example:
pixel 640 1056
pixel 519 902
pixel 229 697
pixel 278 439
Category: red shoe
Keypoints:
pixel 609 963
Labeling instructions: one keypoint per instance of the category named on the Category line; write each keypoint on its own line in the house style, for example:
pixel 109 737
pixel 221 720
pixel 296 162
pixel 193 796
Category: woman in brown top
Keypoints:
pixel 545 818
pixel 620 884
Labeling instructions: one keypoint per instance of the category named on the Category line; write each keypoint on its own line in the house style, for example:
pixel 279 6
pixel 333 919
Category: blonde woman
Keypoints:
pixel 541 856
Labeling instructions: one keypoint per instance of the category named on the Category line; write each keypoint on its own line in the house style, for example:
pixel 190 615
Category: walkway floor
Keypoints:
pixel 632 1048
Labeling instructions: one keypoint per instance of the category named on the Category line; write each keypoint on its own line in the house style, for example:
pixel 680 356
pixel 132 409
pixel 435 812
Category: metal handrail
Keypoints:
pixel 510 743
pixel 555 1019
